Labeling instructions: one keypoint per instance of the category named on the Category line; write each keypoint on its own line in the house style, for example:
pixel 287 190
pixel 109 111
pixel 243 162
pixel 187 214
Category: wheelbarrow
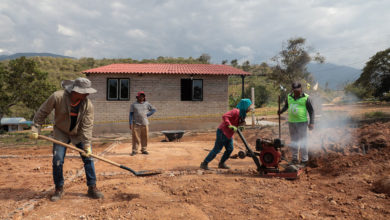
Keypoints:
pixel 173 134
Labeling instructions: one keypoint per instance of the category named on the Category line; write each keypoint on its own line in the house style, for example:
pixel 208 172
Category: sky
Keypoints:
pixel 345 32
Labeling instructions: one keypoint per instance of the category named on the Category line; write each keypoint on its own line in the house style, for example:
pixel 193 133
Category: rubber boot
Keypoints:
pixel 204 165
pixel 223 166
pixel 94 193
pixel 58 193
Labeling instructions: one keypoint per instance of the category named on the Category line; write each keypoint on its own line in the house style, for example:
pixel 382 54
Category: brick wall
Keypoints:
pixel 163 92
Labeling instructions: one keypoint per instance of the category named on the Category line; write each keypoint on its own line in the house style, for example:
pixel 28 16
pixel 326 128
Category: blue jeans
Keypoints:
pixel 220 142
pixel 59 152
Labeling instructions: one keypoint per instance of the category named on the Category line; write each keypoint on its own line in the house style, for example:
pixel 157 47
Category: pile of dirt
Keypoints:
pixel 382 185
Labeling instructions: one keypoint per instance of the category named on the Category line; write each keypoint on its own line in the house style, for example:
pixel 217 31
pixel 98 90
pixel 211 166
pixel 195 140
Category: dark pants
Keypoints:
pixel 298 135
pixel 220 142
pixel 58 161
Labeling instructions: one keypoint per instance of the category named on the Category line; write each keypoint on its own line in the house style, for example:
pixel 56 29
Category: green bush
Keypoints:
pixel 262 94
pixel 377 114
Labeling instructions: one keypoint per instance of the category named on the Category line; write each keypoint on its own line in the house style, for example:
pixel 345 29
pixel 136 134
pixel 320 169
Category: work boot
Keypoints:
pixel 294 162
pixel 304 163
pixel 204 165
pixel 223 166
pixel 94 193
pixel 145 152
pixel 133 153
pixel 58 193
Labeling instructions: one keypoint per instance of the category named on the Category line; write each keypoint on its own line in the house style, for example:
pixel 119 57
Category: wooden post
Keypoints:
pixel 242 86
pixel 253 102
pixel 280 135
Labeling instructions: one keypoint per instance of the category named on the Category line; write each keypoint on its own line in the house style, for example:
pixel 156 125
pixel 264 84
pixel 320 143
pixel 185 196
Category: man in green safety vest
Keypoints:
pixel 299 105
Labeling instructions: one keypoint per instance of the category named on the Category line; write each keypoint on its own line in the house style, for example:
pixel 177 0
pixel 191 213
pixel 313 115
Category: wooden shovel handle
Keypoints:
pixel 77 149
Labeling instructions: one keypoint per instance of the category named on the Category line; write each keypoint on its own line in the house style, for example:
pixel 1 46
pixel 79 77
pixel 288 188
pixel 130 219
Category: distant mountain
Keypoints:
pixel 17 55
pixel 335 75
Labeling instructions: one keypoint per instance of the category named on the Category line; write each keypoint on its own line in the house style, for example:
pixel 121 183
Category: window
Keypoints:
pixel 118 89
pixel 191 90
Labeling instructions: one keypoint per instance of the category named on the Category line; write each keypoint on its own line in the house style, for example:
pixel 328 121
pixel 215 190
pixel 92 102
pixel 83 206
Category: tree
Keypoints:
pixel 234 63
pixel 262 95
pixel 375 78
pixel 246 66
pixel 291 63
pixel 23 83
pixel 204 58
pixel 224 62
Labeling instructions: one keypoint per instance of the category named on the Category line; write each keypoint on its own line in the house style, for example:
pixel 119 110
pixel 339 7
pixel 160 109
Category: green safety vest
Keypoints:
pixel 297 111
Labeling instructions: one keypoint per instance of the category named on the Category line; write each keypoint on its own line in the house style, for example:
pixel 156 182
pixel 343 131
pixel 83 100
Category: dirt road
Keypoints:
pixel 340 186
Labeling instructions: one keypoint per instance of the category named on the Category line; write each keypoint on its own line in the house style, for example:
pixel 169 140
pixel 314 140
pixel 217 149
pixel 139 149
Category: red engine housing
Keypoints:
pixel 269 156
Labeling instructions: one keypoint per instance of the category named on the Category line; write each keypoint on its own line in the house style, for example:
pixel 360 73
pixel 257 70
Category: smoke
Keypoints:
pixel 333 125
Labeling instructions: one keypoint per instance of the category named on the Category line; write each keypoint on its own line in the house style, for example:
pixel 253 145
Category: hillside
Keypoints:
pixel 335 75
pixel 17 55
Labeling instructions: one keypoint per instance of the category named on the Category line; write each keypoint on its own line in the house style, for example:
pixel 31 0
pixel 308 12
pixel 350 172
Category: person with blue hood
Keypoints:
pixel 230 121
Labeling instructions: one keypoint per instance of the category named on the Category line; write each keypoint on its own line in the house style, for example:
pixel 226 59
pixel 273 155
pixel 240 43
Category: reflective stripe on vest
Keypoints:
pixel 297 111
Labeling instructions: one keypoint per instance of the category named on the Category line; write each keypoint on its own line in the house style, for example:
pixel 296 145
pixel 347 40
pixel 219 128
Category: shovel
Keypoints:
pixel 139 173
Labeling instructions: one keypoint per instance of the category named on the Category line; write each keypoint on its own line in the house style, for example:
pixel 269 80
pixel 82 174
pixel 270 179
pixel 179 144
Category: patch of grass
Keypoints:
pixel 21 138
pixel 377 114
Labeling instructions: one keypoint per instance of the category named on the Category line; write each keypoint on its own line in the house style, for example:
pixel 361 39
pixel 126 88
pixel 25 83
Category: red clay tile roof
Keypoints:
pixel 157 68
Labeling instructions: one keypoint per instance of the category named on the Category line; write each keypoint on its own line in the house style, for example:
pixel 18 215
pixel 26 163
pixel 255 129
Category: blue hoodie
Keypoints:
pixel 243 105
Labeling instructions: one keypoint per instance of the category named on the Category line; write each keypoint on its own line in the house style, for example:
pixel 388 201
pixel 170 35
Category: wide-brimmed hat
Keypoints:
pixel 80 85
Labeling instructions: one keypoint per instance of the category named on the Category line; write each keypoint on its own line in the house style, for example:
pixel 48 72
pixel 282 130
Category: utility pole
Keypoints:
pixel 243 86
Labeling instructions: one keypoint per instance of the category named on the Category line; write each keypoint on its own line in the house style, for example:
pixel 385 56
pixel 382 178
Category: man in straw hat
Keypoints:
pixel 73 123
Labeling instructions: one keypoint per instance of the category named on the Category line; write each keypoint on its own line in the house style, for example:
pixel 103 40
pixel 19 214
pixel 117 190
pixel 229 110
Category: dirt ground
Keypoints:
pixel 346 161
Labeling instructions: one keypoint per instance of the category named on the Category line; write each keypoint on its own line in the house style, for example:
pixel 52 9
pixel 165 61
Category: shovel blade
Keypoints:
pixel 148 172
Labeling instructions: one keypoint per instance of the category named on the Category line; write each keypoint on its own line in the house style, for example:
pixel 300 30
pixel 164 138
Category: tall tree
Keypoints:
pixel 375 78
pixel 291 63
pixel 22 83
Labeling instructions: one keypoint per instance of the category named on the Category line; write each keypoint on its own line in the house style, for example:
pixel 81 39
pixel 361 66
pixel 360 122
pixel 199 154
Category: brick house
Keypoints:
pixel 186 96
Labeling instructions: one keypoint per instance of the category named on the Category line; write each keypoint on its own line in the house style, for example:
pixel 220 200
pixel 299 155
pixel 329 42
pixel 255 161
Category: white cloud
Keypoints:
pixel 343 31
pixel 242 50
pixel 65 30
pixel 136 33
pixel 38 44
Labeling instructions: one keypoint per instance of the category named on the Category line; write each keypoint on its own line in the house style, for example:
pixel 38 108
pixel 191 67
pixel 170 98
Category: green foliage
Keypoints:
pixel 234 100
pixel 377 114
pixel 356 90
pixel 262 95
pixel 21 138
pixel 204 58
pixel 291 63
pixel 23 83
pixel 375 77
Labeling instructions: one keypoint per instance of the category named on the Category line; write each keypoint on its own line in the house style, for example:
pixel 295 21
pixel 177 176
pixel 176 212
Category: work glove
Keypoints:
pixel 33 134
pixel 234 128
pixel 88 150
pixel 241 128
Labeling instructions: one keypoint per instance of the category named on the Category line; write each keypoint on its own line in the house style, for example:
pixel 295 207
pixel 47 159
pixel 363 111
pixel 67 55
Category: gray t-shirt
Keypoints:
pixel 140 112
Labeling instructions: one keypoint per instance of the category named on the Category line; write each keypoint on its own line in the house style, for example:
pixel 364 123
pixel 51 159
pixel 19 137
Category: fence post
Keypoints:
pixel 253 102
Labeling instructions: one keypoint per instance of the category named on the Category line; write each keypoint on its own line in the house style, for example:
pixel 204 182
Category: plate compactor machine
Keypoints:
pixel 269 152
